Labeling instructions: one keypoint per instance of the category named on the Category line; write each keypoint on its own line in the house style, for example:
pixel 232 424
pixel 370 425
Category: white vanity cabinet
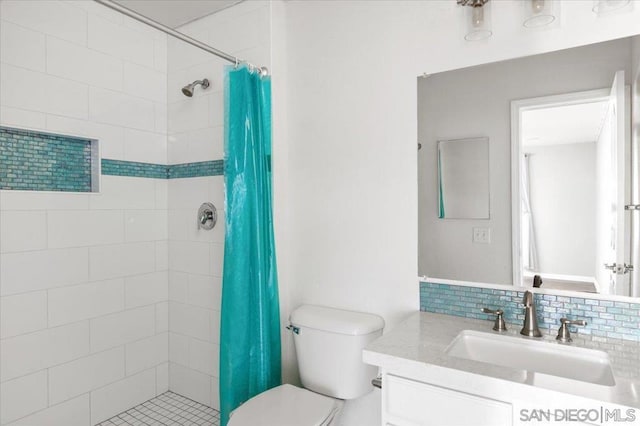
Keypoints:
pixel 407 402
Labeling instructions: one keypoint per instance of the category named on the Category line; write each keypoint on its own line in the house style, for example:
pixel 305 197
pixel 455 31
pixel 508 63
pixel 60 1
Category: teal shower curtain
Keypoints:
pixel 250 323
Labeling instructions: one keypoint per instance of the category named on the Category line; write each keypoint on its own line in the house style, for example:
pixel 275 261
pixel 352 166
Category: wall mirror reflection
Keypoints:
pixel 463 179
pixel 558 129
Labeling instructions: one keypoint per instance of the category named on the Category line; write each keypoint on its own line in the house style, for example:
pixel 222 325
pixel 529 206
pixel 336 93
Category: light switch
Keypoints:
pixel 482 235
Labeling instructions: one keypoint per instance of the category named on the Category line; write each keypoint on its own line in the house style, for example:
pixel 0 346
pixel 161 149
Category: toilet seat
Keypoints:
pixel 286 405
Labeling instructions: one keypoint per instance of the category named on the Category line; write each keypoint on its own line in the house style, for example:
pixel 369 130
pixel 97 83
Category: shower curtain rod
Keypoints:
pixel 180 36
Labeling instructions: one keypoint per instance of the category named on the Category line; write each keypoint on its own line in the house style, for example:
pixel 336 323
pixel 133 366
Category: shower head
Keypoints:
pixel 188 89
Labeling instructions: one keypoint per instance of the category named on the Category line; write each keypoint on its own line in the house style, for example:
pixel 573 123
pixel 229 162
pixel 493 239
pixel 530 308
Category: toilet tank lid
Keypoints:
pixel 336 320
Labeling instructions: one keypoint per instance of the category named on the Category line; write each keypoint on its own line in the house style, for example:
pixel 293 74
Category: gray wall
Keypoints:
pixel 474 102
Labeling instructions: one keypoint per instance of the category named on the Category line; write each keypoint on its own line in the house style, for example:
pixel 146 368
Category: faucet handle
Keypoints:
pixel 499 324
pixel 563 332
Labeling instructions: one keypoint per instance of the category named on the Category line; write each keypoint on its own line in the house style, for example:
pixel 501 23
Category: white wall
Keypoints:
pixel 351 130
pixel 562 186
pixel 196 134
pixel 83 277
pixel 635 154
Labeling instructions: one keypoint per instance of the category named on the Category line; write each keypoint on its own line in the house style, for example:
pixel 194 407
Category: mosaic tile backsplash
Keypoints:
pixel 605 318
pixel 36 161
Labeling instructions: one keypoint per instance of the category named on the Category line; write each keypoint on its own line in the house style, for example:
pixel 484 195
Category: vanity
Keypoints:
pixel 446 370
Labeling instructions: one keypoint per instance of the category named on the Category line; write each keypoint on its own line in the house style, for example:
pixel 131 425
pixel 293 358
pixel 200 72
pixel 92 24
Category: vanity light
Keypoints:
pixel 539 13
pixel 602 7
pixel 478 19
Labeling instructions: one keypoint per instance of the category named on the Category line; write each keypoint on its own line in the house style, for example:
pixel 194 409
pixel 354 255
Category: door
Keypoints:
pixel 611 194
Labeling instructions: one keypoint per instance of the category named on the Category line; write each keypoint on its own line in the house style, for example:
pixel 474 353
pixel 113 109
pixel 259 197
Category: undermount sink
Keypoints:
pixel 586 365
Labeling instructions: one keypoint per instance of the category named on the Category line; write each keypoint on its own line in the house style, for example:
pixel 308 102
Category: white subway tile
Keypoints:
pixel 23 231
pixel 84 228
pixel 145 82
pixel 84 301
pixel 204 144
pixel 205 291
pixel 216 109
pixel 126 193
pixel 187 256
pixel 122 327
pixel 162 317
pixel 160 113
pixel 147 353
pixel 81 64
pixel 162 194
pixel 35 200
pixel 145 147
pixel 179 349
pixel 42 349
pixel 110 138
pixel 40 92
pixel 204 357
pixel 182 55
pixel 162 378
pixel 23 313
pixel 146 225
pixel 120 396
pixel 74 412
pixel 160 55
pixel 162 255
pixel 95 8
pixel 214 321
pixel 54 18
pixel 146 289
pixel 106 106
pixel 120 41
pixel 189 320
pixel 22 118
pixel 39 270
pixel 188 114
pixel 121 260
pixel 23 396
pixel 217 259
pixel 85 374
pixel 190 383
pixel 178 284
pixel 215 393
pixel 22 47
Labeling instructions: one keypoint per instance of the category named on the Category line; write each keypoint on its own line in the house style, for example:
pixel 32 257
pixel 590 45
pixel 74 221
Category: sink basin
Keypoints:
pixel 585 365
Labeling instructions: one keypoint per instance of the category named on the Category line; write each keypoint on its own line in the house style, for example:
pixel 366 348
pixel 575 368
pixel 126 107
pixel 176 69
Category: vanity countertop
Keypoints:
pixel 416 348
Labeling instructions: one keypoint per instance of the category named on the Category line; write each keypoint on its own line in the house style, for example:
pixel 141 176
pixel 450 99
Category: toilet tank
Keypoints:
pixel 329 344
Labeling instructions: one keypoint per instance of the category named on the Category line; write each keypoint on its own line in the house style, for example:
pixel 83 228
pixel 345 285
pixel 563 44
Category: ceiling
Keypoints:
pixel 568 124
pixel 174 13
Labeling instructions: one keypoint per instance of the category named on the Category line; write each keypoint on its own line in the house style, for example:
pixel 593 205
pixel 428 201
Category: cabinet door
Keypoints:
pixel 410 403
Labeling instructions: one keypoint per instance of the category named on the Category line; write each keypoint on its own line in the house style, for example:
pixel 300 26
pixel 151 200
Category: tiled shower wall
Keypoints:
pixel 84 276
pixel 195 133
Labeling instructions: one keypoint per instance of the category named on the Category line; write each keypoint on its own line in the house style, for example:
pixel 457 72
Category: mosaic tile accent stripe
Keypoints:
pixel 204 168
pixel 133 169
pixel 162 171
pixel 34 161
pixel 605 318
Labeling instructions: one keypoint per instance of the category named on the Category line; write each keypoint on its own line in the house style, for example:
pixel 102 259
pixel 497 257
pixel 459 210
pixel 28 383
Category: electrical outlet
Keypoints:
pixel 482 235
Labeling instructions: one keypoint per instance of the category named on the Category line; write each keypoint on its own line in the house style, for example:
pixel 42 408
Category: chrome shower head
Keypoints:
pixel 188 89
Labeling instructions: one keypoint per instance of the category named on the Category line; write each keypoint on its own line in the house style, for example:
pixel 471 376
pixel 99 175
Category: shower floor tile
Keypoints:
pixel 167 409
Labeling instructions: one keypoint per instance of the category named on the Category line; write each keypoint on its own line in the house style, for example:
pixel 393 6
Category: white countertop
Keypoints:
pixel 416 349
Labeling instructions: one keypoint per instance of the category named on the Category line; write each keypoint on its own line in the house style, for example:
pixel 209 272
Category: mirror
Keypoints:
pixel 557 133
pixel 463 179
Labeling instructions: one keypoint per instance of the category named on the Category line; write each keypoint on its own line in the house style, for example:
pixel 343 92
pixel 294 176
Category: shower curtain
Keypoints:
pixel 250 323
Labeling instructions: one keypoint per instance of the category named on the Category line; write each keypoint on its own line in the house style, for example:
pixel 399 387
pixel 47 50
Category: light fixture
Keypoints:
pixel 602 7
pixel 539 13
pixel 478 19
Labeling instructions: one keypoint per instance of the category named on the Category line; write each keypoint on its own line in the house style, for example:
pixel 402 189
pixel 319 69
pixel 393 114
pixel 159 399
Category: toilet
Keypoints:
pixel 329 344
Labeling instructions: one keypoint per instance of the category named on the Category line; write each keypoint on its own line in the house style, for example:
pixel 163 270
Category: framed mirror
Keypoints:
pixel 557 197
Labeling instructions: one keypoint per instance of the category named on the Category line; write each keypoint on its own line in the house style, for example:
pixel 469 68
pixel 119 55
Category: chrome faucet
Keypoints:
pixel 530 327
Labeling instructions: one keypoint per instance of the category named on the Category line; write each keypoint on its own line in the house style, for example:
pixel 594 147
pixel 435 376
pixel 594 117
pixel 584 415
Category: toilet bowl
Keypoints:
pixel 337 384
